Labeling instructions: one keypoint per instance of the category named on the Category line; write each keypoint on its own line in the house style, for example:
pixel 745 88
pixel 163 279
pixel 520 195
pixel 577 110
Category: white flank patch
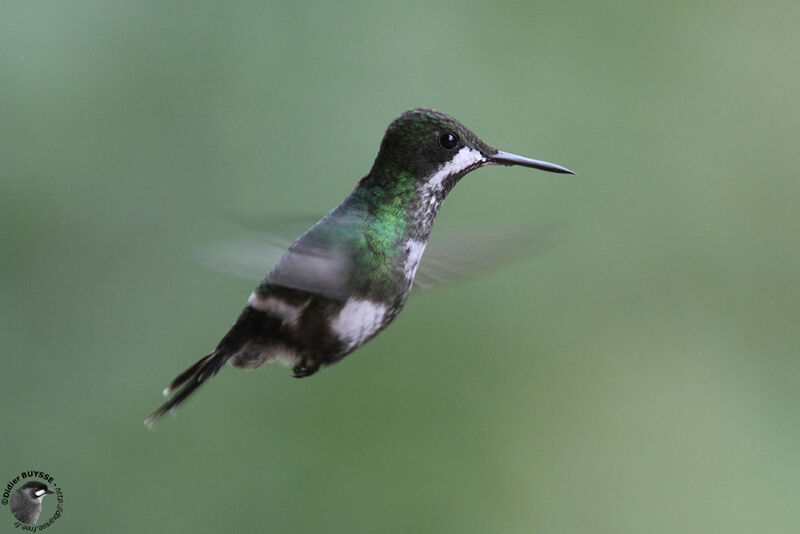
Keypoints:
pixel 276 306
pixel 415 250
pixel 358 321
pixel 465 158
pixel 285 355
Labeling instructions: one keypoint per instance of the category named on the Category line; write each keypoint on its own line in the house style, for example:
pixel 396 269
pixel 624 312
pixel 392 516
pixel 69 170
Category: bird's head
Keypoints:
pixel 437 150
pixel 35 490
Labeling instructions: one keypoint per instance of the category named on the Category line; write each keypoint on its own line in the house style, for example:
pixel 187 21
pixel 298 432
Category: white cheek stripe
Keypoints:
pixel 465 158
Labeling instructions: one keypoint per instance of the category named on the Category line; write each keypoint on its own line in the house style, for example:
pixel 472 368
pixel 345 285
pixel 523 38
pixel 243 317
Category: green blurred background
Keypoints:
pixel 642 376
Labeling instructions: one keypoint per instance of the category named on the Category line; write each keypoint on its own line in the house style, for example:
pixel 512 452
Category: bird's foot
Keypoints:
pixel 305 368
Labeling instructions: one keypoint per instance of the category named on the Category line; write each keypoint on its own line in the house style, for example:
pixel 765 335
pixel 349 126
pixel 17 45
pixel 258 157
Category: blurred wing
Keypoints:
pixel 319 261
pixel 249 258
pixel 454 252
pixel 253 257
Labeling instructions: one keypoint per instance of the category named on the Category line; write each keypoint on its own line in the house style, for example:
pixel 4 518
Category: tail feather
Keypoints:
pixel 187 374
pixel 188 381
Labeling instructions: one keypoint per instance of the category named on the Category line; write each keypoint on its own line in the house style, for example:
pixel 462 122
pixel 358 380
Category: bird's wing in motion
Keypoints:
pixel 247 257
pixel 461 251
pixel 454 252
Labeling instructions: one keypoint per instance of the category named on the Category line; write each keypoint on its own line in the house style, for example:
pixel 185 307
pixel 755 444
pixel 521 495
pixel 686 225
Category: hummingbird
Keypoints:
pixel 347 277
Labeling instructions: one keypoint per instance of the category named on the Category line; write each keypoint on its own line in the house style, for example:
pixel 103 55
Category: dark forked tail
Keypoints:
pixel 188 381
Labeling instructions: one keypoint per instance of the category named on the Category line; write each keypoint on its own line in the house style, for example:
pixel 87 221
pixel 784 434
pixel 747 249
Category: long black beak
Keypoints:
pixel 504 158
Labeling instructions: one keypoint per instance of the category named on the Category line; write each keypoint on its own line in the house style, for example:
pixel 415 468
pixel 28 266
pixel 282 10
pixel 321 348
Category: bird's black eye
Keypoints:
pixel 448 141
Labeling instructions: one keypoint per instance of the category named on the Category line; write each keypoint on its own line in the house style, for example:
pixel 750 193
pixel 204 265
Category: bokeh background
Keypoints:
pixel 641 376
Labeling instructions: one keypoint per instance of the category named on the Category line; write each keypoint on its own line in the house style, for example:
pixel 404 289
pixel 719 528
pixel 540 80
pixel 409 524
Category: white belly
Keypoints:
pixel 358 321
